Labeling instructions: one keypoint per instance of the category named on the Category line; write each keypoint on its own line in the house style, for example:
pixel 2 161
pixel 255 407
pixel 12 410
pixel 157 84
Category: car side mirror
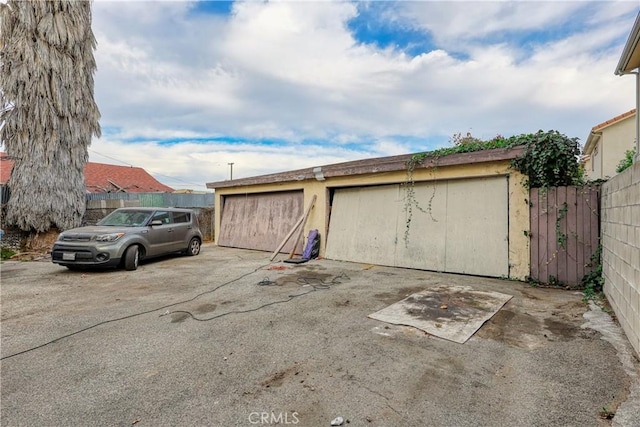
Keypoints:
pixel 156 222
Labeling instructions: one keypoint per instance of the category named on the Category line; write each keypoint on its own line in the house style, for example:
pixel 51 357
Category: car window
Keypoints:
pixel 125 218
pixel 181 217
pixel 139 218
pixel 163 216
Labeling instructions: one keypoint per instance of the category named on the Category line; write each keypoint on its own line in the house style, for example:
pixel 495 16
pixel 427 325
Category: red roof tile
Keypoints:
pixel 5 168
pixel 103 178
pixel 616 119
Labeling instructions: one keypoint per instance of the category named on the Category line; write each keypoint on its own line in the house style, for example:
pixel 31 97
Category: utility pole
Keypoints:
pixel 231 171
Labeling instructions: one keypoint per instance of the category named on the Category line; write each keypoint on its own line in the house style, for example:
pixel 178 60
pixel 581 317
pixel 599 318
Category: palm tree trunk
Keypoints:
pixel 48 110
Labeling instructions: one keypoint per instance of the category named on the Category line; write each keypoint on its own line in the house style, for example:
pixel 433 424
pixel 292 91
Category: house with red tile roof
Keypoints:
pixel 104 178
pixel 607 143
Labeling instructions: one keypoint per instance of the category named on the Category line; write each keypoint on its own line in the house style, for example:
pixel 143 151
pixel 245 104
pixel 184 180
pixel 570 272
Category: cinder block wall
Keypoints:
pixel 620 238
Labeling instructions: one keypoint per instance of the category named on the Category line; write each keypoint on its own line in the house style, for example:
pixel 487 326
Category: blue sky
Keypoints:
pixel 185 88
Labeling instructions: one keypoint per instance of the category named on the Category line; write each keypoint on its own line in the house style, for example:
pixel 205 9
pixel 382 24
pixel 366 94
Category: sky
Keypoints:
pixel 185 88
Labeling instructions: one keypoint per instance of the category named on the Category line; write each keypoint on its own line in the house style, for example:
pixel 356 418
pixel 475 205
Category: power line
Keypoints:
pixel 112 158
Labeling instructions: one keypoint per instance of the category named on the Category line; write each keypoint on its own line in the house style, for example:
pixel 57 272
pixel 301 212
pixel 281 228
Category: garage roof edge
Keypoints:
pixel 369 166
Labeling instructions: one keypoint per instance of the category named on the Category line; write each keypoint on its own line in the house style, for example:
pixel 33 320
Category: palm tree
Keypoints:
pixel 47 113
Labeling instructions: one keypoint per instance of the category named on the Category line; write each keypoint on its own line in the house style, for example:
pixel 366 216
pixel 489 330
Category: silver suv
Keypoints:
pixel 126 236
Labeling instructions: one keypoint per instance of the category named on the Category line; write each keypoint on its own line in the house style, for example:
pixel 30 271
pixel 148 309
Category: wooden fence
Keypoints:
pixel 565 230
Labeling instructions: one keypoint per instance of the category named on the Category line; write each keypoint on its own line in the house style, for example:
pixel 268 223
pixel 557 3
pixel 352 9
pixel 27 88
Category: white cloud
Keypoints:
pixel 192 164
pixel 293 72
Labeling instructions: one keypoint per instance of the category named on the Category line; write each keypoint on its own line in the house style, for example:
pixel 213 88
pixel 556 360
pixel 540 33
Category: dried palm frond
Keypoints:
pixel 46 81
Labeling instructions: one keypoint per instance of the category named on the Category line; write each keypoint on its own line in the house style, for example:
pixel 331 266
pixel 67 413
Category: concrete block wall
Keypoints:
pixel 620 239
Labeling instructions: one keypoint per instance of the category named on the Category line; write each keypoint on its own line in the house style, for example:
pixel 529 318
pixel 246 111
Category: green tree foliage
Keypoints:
pixel 627 161
pixel 48 111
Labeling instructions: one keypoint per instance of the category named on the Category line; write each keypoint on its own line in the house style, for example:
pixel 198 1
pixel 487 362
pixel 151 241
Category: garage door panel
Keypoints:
pixel 363 225
pixel 465 228
pixel 260 221
pixel 478 227
pixel 424 247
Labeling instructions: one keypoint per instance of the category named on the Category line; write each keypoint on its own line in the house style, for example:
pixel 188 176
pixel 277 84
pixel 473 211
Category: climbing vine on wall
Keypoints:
pixel 549 159
pixel 462 144
pixel 410 195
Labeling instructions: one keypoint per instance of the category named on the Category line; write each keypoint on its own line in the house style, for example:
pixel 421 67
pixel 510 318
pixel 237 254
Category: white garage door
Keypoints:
pixel 462 227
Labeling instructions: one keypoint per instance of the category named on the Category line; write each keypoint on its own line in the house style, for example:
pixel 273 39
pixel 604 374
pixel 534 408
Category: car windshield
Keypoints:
pixel 126 218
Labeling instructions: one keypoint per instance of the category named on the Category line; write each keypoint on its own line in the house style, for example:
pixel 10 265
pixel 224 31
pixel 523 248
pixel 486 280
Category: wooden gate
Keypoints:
pixel 565 230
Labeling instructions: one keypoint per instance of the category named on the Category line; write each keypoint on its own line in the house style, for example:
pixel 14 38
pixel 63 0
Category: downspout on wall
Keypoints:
pixel 599 157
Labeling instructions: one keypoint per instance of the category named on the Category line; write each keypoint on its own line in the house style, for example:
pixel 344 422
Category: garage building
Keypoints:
pixel 462 213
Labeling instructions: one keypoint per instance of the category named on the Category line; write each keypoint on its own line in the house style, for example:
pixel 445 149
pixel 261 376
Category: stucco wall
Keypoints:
pixel 616 139
pixel 319 216
pixel 620 239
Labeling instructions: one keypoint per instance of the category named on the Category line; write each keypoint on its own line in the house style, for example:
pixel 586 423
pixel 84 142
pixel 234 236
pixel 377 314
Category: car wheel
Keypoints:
pixel 194 247
pixel 131 258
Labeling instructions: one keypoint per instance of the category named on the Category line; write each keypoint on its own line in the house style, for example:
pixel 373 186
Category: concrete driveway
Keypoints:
pixel 200 341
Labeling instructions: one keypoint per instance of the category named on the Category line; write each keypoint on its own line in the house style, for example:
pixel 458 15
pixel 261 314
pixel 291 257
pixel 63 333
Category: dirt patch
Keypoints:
pixel 278 378
pixel 512 328
pixel 563 330
pixel 15 272
pixel 314 267
pixel 344 303
pixel 179 317
pixel 205 308
pixel 304 278
pixel 529 293
pixel 570 310
pixel 385 273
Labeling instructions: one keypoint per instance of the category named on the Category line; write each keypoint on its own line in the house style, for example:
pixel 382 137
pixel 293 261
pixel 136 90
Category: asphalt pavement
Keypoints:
pixel 228 338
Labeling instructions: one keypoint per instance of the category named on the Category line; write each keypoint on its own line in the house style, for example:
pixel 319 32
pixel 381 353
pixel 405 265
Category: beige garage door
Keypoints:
pixel 260 221
pixel 463 229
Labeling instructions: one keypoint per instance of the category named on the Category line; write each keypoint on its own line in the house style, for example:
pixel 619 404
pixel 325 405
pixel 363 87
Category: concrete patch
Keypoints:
pixel 628 413
pixel 454 313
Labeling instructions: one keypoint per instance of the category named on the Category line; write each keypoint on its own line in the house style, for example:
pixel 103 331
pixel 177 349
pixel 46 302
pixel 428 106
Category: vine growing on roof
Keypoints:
pixel 549 159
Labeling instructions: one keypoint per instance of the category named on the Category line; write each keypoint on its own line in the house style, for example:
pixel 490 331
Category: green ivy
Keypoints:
pixel 467 147
pixel 550 159
pixel 6 253
pixel 627 161
pixel 593 282
pixel 561 237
